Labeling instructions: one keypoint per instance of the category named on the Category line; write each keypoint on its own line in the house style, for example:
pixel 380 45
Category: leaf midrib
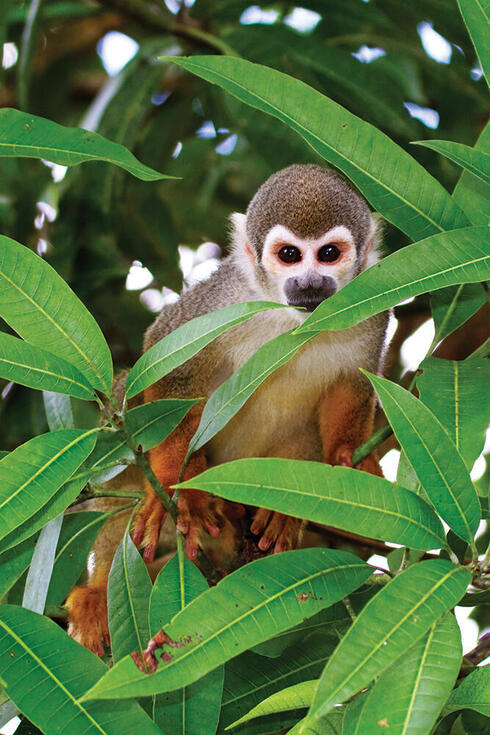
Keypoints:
pixel 393 290
pixel 57 326
pixel 309 133
pixel 44 371
pixel 40 470
pixel 307 494
pixel 50 674
pixel 388 636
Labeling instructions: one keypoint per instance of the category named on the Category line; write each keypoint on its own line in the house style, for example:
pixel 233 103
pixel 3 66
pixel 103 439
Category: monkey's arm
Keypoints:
pixel 197 510
pixel 345 419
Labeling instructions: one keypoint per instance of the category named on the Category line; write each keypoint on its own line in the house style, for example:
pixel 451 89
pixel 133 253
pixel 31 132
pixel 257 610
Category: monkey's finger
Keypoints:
pixel 289 536
pixel 261 519
pixel 272 531
pixel 192 541
pixel 152 531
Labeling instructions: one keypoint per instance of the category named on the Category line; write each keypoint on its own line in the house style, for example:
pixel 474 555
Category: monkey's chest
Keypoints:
pixel 281 418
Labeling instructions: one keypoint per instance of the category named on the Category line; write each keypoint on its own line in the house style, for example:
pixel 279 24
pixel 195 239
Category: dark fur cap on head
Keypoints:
pixel 309 200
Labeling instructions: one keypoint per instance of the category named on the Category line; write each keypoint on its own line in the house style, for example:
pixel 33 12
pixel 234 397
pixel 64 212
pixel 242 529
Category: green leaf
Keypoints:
pixel 77 536
pixel 58 503
pixel 246 607
pixel 451 307
pixel 470 193
pixel 475 598
pixel 336 496
pixel 37 368
pixel 32 473
pixel 472 693
pixel 231 395
pixel 476 162
pixel 43 309
pixel 151 423
pixel 28 43
pixel 416 598
pixel 13 564
pixel 335 619
pixel 434 457
pixel 29 136
pixel 58 411
pixel 186 341
pixel 457 393
pixel 398 187
pixel 195 709
pixel 45 673
pixel 476 15
pixel 128 596
pixel 41 567
pixel 461 256
pixel 297 696
pixel 409 695
pixel 250 679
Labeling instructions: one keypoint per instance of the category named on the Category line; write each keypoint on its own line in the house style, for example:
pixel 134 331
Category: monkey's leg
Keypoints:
pixel 198 511
pixel 346 418
pixel 87 604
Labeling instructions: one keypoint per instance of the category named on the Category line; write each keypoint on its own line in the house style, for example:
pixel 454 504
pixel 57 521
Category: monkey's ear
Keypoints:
pixel 372 251
pixel 239 237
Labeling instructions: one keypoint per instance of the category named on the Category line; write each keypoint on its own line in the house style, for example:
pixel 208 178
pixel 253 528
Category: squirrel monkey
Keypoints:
pixel 306 233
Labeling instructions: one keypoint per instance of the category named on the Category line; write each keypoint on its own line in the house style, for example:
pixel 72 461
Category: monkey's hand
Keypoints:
pixel 368 464
pixel 87 617
pixel 147 524
pixel 199 512
pixel 278 529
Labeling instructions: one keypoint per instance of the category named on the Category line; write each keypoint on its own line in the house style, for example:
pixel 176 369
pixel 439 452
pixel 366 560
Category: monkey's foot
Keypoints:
pixel 278 529
pixel 343 457
pixel 147 525
pixel 198 512
pixel 87 617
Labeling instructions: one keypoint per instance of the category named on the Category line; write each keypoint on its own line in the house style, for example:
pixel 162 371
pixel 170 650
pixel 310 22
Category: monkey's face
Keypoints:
pixel 303 272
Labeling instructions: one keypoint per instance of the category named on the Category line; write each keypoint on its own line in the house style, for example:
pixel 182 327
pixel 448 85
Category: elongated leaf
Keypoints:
pixel 334 620
pixel 153 422
pixel 186 341
pixel 403 191
pixel 408 697
pixel 461 256
pixel 251 679
pixel 77 536
pixel 337 496
pixel 29 39
pixel 451 307
pixel 37 368
pixel 476 162
pixel 250 605
pixel 128 598
pixel 29 136
pixel 13 564
pixel 55 505
pixel 297 696
pixel 416 598
pixel 58 411
pixel 470 193
pixel 476 15
pixel 192 710
pixel 457 393
pixel 472 693
pixel 231 395
pixel 433 455
pixel 32 473
pixel 43 309
pixel 45 673
pixel 41 567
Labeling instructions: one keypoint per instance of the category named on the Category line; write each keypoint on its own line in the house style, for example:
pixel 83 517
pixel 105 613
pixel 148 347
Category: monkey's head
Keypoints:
pixel 306 234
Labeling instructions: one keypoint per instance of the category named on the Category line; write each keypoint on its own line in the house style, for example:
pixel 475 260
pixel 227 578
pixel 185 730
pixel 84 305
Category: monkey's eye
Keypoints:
pixel 289 254
pixel 328 254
